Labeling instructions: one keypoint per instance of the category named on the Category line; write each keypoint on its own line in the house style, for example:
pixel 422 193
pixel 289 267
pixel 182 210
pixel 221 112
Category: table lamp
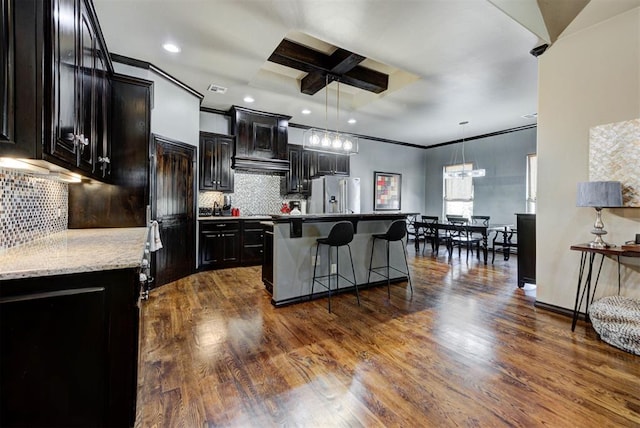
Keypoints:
pixel 599 194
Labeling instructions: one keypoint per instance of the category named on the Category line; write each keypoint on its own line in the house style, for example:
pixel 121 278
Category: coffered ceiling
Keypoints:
pixel 446 60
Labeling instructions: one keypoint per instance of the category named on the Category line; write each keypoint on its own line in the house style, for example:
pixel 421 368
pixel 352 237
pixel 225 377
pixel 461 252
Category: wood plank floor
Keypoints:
pixel 468 349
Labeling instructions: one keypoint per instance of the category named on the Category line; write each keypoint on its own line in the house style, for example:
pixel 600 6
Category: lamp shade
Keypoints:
pixel 599 194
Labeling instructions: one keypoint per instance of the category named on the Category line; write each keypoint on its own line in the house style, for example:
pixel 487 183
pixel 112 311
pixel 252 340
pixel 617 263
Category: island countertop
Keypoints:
pixel 75 251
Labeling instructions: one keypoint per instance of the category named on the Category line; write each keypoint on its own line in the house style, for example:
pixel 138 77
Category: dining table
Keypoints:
pixel 484 230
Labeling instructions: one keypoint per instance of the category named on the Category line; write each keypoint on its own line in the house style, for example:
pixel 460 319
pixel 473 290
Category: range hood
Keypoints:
pixel 261 140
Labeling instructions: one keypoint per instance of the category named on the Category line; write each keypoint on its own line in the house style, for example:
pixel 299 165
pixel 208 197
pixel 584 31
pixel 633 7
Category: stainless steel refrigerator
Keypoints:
pixel 331 194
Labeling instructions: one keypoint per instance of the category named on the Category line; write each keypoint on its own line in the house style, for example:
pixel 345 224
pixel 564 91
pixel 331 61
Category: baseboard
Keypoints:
pixel 323 294
pixel 558 310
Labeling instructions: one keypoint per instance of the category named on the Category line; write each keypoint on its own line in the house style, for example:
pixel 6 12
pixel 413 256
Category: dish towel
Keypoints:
pixel 154 237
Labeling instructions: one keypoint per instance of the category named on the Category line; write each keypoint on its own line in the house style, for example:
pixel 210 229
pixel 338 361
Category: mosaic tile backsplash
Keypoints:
pixel 30 208
pixel 257 193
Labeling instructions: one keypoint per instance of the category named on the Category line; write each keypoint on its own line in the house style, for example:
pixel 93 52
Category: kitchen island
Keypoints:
pixel 69 321
pixel 290 248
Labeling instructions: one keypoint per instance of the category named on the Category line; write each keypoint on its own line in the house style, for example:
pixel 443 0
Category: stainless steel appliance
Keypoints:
pixel 332 194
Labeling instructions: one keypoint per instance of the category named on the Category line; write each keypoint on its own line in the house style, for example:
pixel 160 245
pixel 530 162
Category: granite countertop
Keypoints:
pixel 226 217
pixel 75 251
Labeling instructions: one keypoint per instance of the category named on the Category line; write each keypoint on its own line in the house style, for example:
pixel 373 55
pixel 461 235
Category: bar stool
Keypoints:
pixel 396 232
pixel 341 234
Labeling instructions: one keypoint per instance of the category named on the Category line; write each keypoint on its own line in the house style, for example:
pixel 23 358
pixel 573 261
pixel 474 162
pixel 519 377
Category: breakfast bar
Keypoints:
pixel 290 247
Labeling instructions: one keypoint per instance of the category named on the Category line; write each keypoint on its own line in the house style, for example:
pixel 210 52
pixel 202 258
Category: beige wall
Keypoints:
pixel 588 78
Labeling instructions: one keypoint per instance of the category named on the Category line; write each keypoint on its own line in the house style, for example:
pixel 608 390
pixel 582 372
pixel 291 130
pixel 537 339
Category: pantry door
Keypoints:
pixel 173 206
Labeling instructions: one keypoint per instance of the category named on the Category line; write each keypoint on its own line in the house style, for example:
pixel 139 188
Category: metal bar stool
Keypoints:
pixel 396 232
pixel 341 234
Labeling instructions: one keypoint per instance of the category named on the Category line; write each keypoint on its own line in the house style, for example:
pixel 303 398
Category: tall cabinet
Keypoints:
pixel 526 224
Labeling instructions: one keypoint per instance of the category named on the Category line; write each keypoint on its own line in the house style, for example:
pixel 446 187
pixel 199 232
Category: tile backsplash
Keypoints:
pixel 255 193
pixel 30 207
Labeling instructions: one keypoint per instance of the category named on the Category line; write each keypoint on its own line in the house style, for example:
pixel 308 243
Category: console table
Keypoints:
pixel 586 260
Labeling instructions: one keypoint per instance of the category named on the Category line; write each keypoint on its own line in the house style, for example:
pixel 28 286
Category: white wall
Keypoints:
pixel 586 79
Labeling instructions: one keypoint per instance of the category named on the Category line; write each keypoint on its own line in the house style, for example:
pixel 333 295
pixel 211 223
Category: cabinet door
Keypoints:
pixel 54 358
pixel 224 157
pixel 342 165
pixel 87 82
pixel 292 178
pixel 325 163
pixel 305 172
pixel 209 248
pixel 7 76
pixel 207 163
pixel 264 138
pixel 102 117
pixel 230 246
pixel 66 91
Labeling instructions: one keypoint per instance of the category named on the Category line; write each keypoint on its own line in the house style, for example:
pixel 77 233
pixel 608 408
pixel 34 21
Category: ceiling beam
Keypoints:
pixel 341 65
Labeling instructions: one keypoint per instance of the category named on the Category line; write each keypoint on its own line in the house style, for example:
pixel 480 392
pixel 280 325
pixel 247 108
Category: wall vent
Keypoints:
pixel 217 89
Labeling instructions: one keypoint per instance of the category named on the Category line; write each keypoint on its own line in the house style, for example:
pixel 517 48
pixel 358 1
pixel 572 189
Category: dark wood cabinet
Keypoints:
pixel 252 238
pixel 526 226
pixel 57 110
pixel 330 164
pixel 216 153
pixel 261 140
pixel 69 350
pixel 78 68
pixel 7 73
pixel 230 243
pixel 20 104
pixel 123 203
pixel 298 177
pixel 219 244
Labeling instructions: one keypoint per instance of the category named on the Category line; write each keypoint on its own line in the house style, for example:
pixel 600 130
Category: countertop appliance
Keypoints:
pixel 331 194
pixel 226 205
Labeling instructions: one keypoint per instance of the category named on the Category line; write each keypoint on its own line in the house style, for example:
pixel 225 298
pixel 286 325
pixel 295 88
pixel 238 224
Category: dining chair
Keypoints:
pixel 432 235
pixel 460 237
pixel 505 244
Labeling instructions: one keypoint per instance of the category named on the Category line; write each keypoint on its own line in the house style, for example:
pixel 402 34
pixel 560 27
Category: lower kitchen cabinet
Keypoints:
pixel 69 350
pixel 230 243
pixel 252 237
pixel 219 244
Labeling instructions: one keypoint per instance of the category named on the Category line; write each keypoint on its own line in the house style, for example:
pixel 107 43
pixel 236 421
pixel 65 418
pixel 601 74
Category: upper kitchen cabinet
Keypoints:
pixel 261 140
pixel 79 67
pixel 18 103
pixel 299 174
pixel 59 111
pixel 216 152
pixel 330 164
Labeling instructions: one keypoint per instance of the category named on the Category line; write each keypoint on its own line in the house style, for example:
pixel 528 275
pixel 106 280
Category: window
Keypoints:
pixel 458 192
pixel 532 182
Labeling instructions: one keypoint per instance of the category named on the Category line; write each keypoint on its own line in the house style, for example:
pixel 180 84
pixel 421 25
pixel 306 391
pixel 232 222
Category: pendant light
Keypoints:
pixel 324 140
pixel 464 173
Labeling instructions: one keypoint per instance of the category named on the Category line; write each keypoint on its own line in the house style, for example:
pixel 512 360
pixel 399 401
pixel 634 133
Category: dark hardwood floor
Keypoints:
pixel 469 349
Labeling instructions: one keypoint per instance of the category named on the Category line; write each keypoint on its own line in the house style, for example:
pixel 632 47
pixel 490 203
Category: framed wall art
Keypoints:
pixel 387 188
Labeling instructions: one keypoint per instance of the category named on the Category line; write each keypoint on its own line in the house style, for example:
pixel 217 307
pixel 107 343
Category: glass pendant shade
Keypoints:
pixel 464 173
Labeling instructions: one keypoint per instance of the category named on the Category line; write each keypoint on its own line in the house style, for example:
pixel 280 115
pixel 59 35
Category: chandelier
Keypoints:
pixel 463 173
pixel 325 140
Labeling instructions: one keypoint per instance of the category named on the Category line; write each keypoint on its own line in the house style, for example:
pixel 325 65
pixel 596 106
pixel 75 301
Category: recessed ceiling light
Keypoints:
pixel 529 116
pixel 306 111
pixel 170 47
pixel 248 99
pixel 352 121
